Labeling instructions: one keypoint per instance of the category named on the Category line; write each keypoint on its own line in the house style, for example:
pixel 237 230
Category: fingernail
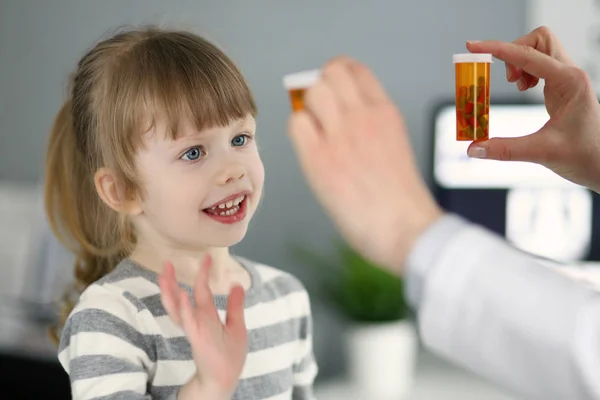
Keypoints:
pixel 509 74
pixel 477 152
pixel 473 41
pixel 521 84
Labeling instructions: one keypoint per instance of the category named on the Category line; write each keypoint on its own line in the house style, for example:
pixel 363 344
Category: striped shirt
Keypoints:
pixel 119 342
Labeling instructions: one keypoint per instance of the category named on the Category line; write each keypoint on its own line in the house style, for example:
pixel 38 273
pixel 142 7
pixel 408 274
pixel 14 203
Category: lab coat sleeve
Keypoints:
pixel 504 315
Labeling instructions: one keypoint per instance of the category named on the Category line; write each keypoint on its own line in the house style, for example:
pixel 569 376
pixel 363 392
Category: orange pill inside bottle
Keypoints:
pixel 472 81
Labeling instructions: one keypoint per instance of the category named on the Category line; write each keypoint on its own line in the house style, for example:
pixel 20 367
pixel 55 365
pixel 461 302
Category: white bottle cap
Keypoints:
pixel 472 58
pixel 301 80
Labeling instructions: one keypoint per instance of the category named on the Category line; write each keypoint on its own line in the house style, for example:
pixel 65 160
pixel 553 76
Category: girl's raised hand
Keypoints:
pixel 219 349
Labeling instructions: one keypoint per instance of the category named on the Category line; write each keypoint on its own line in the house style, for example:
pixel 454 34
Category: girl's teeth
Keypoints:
pixel 230 212
pixel 229 204
pixel 239 200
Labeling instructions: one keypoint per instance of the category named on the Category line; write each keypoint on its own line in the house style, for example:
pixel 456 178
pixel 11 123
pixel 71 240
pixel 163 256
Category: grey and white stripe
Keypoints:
pixel 119 343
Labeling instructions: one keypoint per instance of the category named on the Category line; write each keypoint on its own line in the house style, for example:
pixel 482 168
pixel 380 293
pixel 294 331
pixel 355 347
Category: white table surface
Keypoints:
pixel 435 379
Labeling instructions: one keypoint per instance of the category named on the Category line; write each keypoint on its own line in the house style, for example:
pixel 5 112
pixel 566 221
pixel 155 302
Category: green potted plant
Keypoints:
pixel 381 338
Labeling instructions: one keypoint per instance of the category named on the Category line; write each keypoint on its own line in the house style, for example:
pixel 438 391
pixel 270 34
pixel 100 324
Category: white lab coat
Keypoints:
pixel 503 314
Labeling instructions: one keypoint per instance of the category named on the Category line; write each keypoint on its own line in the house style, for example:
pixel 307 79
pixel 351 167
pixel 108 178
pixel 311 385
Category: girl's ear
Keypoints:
pixel 113 193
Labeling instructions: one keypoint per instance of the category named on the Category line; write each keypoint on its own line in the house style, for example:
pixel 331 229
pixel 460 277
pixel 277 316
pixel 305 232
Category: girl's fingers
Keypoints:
pixel 202 294
pixel 169 293
pixel 188 319
pixel 235 323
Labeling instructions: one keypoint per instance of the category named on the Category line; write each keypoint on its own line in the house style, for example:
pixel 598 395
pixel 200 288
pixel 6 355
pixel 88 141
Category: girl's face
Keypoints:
pixel 200 190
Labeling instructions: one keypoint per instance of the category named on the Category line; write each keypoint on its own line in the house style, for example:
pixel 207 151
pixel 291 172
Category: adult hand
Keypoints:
pixel 354 150
pixel 569 144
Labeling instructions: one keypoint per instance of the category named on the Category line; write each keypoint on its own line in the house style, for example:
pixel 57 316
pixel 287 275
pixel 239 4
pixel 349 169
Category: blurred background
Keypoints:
pixel 408 44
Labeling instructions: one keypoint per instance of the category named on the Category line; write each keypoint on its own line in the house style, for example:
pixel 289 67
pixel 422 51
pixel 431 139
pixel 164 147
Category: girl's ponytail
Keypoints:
pixel 75 211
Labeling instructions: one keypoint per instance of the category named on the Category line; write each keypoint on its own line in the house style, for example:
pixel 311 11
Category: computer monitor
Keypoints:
pixel 531 206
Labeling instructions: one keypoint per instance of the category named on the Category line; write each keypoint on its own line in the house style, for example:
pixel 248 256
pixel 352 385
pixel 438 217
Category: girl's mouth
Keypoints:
pixel 229 212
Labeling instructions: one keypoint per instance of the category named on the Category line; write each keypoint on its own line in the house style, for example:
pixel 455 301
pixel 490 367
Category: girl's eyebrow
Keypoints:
pixel 242 123
pixel 247 122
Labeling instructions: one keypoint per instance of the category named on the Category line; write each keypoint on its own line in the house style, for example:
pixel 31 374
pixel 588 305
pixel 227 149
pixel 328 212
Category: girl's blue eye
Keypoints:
pixel 239 140
pixel 193 154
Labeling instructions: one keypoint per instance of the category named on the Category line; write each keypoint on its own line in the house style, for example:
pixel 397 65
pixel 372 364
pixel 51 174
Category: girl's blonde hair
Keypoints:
pixel 119 89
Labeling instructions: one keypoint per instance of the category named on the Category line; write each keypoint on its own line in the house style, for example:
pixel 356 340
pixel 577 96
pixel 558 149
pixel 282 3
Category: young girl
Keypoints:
pixel 152 173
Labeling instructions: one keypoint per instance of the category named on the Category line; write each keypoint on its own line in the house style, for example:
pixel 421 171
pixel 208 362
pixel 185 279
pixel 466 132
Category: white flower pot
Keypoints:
pixel 382 359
